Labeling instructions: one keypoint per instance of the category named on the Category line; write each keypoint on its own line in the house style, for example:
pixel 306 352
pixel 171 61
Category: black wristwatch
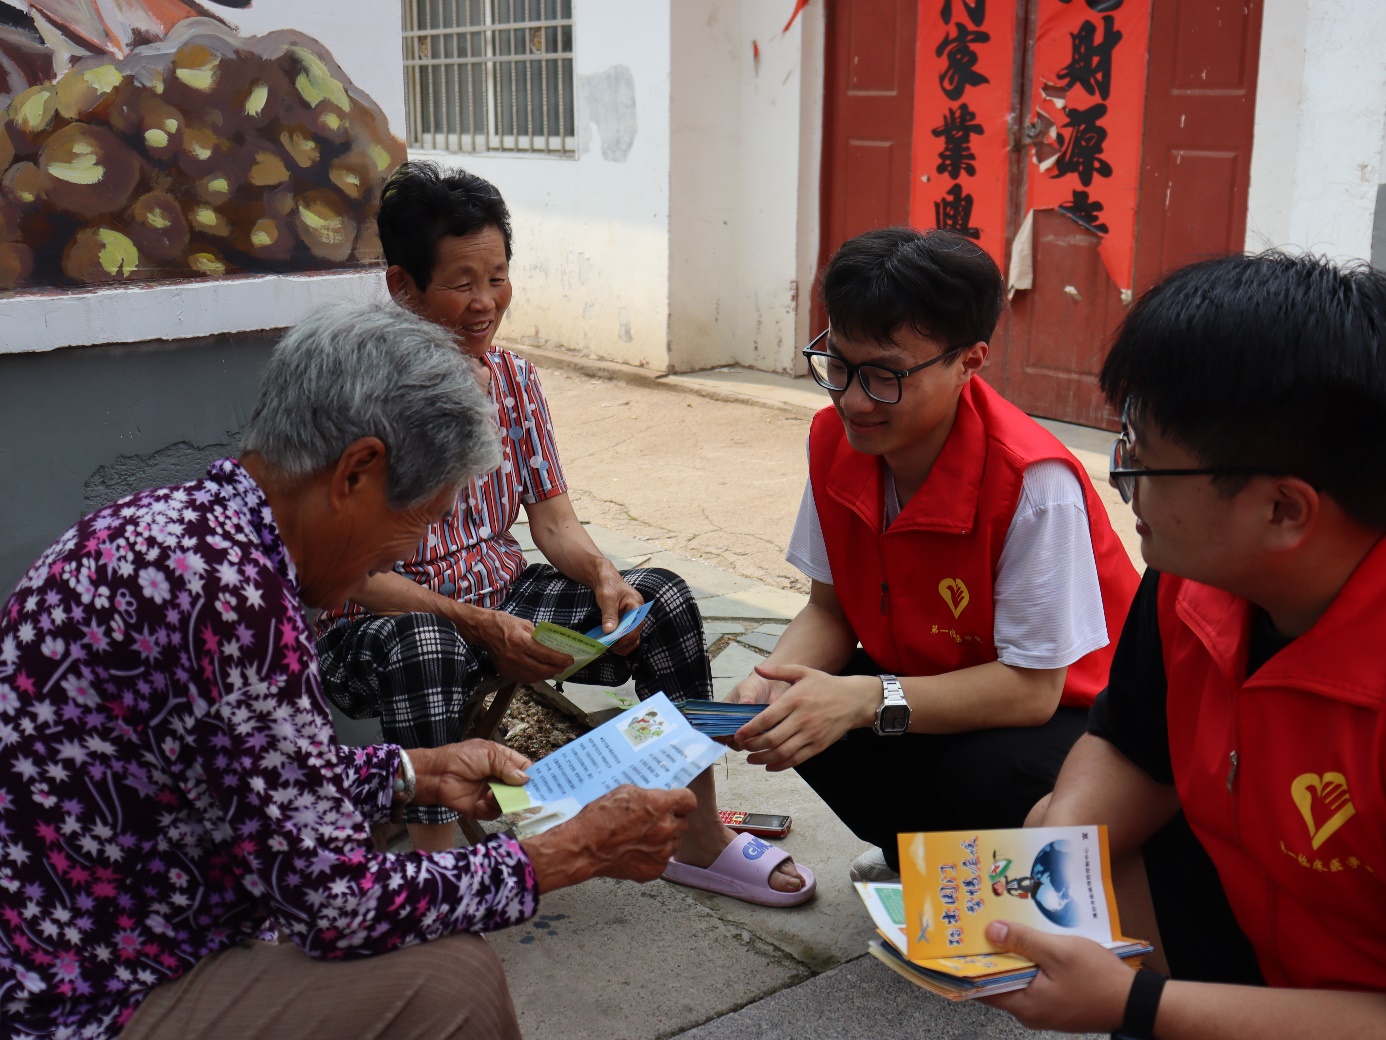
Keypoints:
pixel 893 716
pixel 1141 1006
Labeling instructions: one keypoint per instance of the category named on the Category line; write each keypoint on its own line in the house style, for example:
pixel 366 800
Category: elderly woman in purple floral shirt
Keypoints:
pixel 171 793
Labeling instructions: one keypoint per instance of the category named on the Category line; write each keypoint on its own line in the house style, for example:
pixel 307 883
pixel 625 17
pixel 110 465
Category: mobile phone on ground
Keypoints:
pixel 762 825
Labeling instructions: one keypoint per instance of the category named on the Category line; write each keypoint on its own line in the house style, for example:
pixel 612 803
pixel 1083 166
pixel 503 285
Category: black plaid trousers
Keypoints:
pixel 417 672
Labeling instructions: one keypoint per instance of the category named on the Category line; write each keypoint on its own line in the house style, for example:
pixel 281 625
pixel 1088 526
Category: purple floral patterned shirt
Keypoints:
pixel 170 784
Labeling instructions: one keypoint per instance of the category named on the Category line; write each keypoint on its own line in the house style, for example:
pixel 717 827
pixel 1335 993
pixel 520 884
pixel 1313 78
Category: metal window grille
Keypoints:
pixel 490 75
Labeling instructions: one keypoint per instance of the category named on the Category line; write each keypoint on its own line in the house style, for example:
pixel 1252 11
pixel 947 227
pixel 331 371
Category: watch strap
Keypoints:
pixel 892 696
pixel 1142 1004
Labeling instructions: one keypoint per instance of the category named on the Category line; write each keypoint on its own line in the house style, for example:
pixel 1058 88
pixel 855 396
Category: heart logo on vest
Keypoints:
pixel 1322 798
pixel 954 593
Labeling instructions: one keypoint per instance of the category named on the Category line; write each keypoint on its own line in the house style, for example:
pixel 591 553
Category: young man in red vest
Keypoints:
pixel 1241 743
pixel 957 541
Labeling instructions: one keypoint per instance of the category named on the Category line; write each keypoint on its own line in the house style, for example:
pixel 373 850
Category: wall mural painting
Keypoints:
pixel 148 139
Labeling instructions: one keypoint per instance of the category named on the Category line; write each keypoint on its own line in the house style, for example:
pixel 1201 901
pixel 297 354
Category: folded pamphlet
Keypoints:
pixel 650 745
pixel 586 648
pixel 719 718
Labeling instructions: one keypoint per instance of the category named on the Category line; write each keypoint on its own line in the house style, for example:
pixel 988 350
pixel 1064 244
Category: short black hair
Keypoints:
pixel 1270 362
pixel 421 203
pixel 935 283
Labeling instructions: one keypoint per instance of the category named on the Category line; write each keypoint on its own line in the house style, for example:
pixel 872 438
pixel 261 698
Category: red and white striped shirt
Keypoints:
pixel 470 555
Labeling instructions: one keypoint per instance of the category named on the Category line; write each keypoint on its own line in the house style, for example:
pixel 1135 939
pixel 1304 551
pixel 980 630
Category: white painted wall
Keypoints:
pixel 1320 109
pixel 743 221
pixel 591 265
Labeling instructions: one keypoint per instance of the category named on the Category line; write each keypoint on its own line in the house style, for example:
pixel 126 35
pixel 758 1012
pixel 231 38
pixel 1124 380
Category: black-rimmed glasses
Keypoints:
pixel 880 383
pixel 1122 474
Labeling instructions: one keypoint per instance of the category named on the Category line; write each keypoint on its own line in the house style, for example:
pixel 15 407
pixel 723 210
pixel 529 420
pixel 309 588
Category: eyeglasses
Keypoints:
pixel 1123 474
pixel 880 383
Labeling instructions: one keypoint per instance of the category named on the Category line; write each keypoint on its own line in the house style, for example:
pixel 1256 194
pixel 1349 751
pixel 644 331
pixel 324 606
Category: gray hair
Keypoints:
pixel 352 371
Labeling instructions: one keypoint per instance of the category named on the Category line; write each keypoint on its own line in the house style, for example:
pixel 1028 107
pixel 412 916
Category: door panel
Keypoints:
pixel 1199 108
pixel 1198 194
pixel 872 164
pixel 1051 362
pixel 867 121
pixel 1195 168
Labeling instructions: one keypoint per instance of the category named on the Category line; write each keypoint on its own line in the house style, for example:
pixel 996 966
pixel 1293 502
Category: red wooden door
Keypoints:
pixel 867 113
pixel 1196 160
pixel 1200 101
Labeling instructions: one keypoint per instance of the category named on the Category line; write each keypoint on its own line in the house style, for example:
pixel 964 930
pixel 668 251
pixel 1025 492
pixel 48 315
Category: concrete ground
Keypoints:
pixel 703 474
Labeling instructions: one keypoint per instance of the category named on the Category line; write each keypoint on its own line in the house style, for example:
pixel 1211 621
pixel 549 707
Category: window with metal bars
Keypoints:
pixel 489 75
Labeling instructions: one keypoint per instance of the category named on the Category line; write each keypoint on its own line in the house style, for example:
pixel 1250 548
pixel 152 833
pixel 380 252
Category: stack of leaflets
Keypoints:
pixel 649 745
pixel 584 649
pixel 932 923
pixel 719 718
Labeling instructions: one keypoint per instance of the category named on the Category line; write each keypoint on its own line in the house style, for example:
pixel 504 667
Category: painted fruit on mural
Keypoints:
pixel 144 140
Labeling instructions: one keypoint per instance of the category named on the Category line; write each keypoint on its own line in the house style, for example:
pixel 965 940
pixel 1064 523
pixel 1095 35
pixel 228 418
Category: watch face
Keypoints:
pixel 894 718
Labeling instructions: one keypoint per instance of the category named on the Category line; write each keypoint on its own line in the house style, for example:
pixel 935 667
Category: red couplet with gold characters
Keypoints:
pixel 963 84
pixel 1088 91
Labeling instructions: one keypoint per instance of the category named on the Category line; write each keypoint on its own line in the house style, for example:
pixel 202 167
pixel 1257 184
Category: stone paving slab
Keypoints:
pixel 721 628
pixel 760 603
pixel 704 579
pixel 723 686
pixel 865 1000
pixel 522 535
pixel 609 959
pixel 760 639
pixel 735 662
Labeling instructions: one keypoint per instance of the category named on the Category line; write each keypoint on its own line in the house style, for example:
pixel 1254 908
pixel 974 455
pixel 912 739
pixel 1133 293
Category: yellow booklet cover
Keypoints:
pixel 1056 879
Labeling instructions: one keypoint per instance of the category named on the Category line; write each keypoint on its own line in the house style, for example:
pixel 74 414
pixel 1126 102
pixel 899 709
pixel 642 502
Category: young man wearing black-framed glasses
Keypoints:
pixel 957 541
pixel 1237 754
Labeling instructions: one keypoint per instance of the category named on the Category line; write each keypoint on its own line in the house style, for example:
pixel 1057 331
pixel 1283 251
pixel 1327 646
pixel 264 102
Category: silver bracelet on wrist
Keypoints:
pixel 406 783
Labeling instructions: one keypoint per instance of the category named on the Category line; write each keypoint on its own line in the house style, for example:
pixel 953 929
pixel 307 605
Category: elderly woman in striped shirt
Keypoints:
pixel 415 642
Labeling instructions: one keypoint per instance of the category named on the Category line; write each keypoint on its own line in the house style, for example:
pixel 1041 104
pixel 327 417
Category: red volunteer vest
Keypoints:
pixel 919 595
pixel 1297 829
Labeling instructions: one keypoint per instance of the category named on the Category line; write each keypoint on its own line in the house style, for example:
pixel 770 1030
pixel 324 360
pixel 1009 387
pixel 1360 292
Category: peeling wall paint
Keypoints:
pixel 83 426
pixel 127 474
pixel 606 102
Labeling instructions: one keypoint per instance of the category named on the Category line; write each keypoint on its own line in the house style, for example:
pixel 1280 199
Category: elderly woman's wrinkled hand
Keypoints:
pixel 517 655
pixel 629 833
pixel 637 830
pixel 458 775
pixel 616 598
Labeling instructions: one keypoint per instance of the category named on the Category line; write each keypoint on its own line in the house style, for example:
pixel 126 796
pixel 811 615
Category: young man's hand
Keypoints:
pixel 1081 987
pixel 817 709
pixel 756 689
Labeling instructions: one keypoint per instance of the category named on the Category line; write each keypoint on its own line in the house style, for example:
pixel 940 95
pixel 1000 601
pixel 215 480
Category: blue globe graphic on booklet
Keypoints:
pixel 1055 870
